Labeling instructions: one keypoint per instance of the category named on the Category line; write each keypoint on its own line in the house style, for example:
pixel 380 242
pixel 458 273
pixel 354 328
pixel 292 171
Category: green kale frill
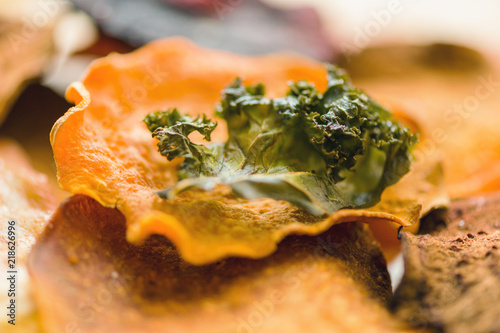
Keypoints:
pixel 319 151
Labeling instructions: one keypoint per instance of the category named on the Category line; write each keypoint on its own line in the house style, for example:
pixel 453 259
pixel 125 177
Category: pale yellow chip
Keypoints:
pixel 23 55
pixel 27 202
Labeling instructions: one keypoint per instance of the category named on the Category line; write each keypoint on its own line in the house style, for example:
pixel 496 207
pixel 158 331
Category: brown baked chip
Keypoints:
pixel 104 150
pixel 452 276
pixel 88 278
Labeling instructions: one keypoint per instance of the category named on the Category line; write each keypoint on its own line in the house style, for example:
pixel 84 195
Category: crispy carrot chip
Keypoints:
pixel 104 150
pixel 88 278
pixel 26 199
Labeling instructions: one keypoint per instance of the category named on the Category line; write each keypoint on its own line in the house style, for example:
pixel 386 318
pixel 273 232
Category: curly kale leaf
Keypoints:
pixel 319 151
pixel 172 130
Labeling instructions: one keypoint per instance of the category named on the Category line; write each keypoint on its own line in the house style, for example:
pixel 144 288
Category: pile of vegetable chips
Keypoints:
pixel 214 192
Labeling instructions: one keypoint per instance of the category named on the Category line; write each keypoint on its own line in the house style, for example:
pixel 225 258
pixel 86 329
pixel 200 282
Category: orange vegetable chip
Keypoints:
pixel 88 278
pixel 103 150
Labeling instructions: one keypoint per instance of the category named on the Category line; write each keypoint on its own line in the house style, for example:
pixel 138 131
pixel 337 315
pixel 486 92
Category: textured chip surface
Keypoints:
pixel 88 278
pixel 452 275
